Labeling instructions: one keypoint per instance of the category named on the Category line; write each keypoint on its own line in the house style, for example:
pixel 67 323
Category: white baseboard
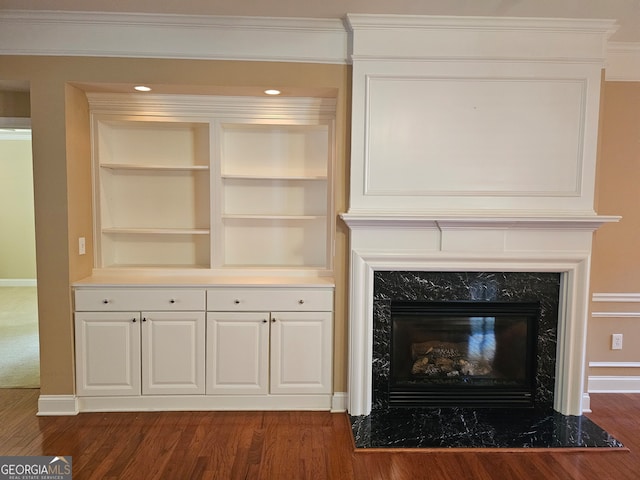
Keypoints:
pixel 613 384
pixel 18 282
pixel 167 403
pixel 586 403
pixel 339 402
pixel 52 405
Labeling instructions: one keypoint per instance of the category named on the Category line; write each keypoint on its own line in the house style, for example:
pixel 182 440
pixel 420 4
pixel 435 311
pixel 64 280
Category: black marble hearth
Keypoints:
pixel 482 428
pixel 538 427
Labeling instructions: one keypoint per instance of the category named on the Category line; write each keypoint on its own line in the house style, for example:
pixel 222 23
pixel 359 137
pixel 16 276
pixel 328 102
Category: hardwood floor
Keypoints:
pixel 288 446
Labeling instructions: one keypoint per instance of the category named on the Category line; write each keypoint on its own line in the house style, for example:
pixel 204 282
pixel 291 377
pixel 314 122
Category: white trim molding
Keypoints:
pixel 614 364
pixel 54 405
pixel 616 297
pixel 339 402
pixel 623 62
pixel 120 34
pixel 403 37
pixel 613 384
pixel 615 314
pixel 101 34
pixel 18 282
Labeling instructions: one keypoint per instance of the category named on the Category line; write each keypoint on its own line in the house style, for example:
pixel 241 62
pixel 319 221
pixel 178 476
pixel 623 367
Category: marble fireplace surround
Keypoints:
pixel 419 243
pixel 540 287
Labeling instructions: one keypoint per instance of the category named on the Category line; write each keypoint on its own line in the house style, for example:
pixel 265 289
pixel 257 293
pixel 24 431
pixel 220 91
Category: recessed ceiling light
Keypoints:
pixel 272 91
pixel 142 88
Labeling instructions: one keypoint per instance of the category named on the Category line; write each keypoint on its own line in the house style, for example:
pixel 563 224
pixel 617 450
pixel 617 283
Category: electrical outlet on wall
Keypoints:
pixel 616 341
pixel 82 246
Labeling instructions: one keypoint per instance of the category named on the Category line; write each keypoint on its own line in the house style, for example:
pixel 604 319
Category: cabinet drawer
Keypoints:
pixel 120 299
pixel 269 299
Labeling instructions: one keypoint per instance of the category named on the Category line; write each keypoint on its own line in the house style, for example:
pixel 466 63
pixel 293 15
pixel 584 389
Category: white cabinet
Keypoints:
pixel 267 350
pixel 139 352
pixel 301 346
pixel 107 353
pixel 237 353
pixel 243 183
pixel 204 348
pixel 173 353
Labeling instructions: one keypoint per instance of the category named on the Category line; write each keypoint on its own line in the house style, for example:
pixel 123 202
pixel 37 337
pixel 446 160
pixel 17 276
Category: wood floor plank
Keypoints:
pixel 289 446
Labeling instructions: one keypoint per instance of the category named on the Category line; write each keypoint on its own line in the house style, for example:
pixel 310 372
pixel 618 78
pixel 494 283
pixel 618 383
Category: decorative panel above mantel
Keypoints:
pixel 507 122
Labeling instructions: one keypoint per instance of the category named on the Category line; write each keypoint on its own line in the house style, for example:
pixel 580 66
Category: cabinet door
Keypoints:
pixel 107 353
pixel 301 348
pixel 237 353
pixel 173 349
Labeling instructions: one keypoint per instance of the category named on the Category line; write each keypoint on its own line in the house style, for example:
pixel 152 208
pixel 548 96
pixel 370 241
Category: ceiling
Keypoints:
pixel 626 12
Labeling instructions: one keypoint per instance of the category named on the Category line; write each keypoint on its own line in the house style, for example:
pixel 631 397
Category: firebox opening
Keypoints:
pixel 463 354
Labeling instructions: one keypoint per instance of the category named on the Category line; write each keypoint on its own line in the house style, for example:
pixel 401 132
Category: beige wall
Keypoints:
pixel 615 264
pixel 17 241
pixel 62 178
pixel 14 104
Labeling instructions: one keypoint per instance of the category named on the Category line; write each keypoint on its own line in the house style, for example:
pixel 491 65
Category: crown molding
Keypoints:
pixel 623 62
pixel 383 37
pixel 101 34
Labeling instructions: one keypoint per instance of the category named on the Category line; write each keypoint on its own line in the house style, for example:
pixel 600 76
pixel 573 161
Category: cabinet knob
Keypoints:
pixel 300 301
pixel 172 301
pixel 264 321
pixel 105 301
pixel 133 320
pixel 144 319
pixel 236 301
pixel 273 320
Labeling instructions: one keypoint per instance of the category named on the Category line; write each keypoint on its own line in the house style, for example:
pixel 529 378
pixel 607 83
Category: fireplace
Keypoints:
pixel 459 168
pixel 461 316
pixel 463 354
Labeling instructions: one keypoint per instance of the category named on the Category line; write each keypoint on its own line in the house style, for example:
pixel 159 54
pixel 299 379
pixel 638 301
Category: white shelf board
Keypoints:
pixel 125 166
pixel 156 231
pixel 273 177
pixel 273 217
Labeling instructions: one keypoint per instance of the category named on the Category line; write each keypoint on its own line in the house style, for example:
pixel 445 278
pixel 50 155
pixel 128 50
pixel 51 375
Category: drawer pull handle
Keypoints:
pixel 172 301
pixel 236 301
pixel 105 301
pixel 301 302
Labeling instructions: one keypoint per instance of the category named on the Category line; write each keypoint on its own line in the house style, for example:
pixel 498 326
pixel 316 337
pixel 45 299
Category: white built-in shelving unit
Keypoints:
pixel 239 190
pixel 207 182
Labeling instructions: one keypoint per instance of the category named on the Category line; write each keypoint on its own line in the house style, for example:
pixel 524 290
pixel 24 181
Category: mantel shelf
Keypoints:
pixel 480 220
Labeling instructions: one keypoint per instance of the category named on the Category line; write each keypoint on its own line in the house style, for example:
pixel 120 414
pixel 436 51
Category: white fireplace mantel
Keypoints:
pixel 479 244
